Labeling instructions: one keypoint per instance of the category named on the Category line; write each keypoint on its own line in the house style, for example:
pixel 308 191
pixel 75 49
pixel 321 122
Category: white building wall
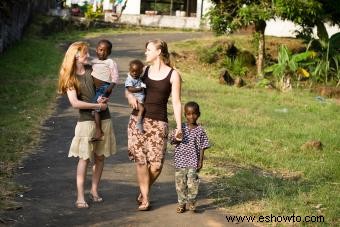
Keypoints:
pixel 284 28
pixel 206 6
pixel 203 7
pixel 162 21
pixel 132 7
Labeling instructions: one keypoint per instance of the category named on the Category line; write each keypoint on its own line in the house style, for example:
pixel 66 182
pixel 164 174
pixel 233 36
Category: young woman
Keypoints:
pixel 75 80
pixel 147 149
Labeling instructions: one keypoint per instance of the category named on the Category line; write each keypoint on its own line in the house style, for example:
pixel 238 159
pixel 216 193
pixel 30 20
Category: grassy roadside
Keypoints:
pixel 27 91
pixel 256 161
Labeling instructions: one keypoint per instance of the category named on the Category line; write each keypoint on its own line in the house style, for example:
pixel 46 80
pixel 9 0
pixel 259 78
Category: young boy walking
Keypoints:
pixel 188 158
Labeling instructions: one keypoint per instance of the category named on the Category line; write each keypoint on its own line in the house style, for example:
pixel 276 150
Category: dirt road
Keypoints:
pixel 50 175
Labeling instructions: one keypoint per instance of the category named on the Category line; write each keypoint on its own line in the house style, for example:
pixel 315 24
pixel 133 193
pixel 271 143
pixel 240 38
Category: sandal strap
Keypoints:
pixel 180 208
pixel 81 205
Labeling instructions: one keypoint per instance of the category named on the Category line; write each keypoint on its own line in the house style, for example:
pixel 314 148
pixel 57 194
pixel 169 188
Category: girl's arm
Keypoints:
pixel 176 99
pixel 78 104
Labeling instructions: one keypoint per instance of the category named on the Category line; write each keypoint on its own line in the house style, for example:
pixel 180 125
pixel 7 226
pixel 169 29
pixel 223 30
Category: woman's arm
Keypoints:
pixel 78 104
pixel 176 98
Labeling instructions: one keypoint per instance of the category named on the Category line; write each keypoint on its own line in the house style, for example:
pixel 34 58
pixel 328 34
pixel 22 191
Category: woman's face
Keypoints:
pixel 83 57
pixel 151 52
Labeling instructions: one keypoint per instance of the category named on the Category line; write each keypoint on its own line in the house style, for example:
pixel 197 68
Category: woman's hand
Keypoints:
pixel 102 99
pixel 178 135
pixel 103 106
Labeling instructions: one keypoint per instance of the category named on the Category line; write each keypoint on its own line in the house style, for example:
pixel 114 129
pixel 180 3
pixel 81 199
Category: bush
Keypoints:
pixel 89 14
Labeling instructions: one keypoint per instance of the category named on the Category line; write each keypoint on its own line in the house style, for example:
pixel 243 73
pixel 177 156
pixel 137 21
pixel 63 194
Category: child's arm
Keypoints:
pixel 114 72
pixel 114 76
pixel 203 144
pixel 200 162
pixel 108 90
pixel 131 99
pixel 134 89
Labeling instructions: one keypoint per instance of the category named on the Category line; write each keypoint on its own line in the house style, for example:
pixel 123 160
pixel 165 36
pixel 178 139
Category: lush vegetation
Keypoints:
pixel 228 16
pixel 257 159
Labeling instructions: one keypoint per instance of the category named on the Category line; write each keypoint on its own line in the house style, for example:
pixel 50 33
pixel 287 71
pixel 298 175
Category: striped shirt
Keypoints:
pixel 187 152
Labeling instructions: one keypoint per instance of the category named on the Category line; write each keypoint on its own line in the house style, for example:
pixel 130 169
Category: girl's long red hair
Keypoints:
pixel 67 72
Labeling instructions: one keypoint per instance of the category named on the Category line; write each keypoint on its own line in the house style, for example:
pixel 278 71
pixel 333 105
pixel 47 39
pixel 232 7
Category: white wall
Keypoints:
pixel 132 7
pixel 203 7
pixel 161 21
pixel 284 28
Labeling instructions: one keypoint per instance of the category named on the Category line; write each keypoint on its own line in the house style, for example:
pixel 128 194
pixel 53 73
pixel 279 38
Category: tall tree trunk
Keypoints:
pixel 260 28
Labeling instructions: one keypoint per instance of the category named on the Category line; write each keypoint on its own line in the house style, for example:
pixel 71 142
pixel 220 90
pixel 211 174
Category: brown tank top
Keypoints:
pixel 157 93
pixel 87 93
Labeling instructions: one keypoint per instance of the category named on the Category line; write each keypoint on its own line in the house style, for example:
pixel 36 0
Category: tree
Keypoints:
pixel 227 16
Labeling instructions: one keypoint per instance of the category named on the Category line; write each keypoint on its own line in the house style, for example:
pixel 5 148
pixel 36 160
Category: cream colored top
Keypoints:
pixel 105 70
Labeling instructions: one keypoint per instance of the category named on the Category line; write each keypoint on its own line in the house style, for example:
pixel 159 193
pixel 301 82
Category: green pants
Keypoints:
pixel 187 182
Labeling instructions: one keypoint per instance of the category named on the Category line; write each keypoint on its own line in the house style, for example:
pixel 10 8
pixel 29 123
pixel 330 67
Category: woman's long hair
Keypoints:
pixel 67 73
pixel 161 45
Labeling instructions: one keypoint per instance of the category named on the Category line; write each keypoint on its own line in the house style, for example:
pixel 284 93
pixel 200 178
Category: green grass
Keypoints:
pixel 27 91
pixel 256 159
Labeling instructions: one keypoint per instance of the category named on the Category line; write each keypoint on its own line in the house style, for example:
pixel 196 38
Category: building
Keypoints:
pixel 161 13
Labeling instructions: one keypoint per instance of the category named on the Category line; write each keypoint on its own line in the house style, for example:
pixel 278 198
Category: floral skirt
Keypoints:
pixel 148 147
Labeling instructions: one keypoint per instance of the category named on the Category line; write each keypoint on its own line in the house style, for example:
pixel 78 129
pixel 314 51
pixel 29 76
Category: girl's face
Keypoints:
pixel 151 52
pixel 191 114
pixel 83 57
pixel 102 51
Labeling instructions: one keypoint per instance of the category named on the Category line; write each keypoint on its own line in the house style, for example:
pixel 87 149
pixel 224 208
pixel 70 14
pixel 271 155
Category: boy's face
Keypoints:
pixel 135 71
pixel 102 51
pixel 191 114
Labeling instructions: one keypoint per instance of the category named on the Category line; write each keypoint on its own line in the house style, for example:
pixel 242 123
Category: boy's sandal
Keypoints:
pixel 180 208
pixel 96 199
pixel 144 206
pixel 81 205
pixel 192 207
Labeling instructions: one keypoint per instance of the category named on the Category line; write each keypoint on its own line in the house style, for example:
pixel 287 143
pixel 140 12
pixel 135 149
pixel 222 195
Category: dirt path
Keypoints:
pixel 50 175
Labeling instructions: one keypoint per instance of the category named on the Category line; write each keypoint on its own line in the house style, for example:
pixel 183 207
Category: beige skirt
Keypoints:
pixel 82 147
